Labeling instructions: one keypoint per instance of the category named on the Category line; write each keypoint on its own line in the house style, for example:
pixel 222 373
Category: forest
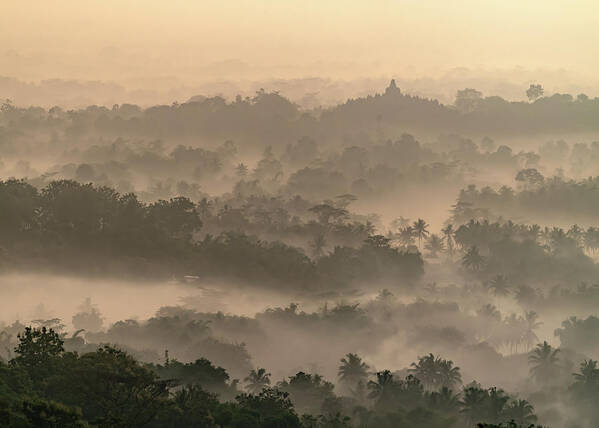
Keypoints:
pixel 389 261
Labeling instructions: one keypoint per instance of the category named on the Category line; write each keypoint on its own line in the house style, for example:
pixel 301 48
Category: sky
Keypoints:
pixel 193 39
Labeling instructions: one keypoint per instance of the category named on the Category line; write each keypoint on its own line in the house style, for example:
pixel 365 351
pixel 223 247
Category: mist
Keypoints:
pixel 299 214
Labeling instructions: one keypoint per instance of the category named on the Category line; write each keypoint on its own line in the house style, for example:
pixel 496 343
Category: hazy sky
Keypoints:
pixel 121 38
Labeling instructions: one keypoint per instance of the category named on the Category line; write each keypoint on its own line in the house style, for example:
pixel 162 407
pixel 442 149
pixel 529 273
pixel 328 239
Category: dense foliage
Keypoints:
pixel 44 386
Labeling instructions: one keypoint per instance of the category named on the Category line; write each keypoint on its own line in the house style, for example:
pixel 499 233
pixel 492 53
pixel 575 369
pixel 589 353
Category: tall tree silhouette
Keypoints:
pixel 352 369
pixel 257 380
pixel 472 259
pixel 543 361
pixel 448 235
pixel 420 230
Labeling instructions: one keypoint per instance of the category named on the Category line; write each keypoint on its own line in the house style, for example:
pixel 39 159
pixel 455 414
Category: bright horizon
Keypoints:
pixel 117 40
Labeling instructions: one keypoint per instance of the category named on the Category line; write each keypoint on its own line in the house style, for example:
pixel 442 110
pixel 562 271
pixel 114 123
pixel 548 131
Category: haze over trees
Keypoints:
pixel 389 260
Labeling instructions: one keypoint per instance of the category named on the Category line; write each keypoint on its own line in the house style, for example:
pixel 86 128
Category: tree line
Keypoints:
pixel 84 228
pixel 46 386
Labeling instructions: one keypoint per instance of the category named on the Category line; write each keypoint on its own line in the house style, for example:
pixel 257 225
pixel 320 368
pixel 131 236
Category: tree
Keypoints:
pixel 352 369
pixel 500 286
pixel 406 236
pixel 318 244
pixel 588 374
pixel 420 230
pixel 534 92
pixel 118 391
pixel 49 414
pixel 382 389
pixel 193 406
pixel 307 391
pixel 591 239
pixel 544 363
pixel 532 323
pixel 521 412
pixel 444 400
pixel 473 403
pixel 326 212
pixel 576 233
pixel 436 373
pixel 201 372
pixel 448 235
pixel 434 245
pixel 37 347
pixel 399 223
pixel 585 390
pixel 472 260
pixel 530 178
pixel 274 408
pixel 496 402
pixel 467 100
pixel 241 170
pixel 257 380
pixel 177 217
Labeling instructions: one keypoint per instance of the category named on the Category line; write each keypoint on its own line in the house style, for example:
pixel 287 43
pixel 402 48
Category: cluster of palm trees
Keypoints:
pixel 587 379
pixel 257 380
pixel 494 406
pixel 545 369
pixel 473 403
pixel 479 233
pixel 433 381
pixel 512 331
pixel 473 260
pixel 407 234
pixel 436 373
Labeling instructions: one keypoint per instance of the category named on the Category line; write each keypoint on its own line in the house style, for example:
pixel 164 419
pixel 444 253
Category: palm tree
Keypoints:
pixel 589 373
pixel 449 375
pixel 352 369
pixel 521 412
pixel 544 362
pixel 557 238
pixel 241 170
pixel 490 312
pixel 363 415
pixel 449 238
pixel 532 323
pixel 5 343
pixel 382 390
pixel 576 233
pixel 426 371
pixel 420 230
pixel 591 239
pixel 473 260
pixel 257 380
pixel 473 403
pixel 434 245
pixel 360 392
pixel 318 244
pixel 525 294
pixel 545 236
pixel 406 236
pixel 435 373
pixel 495 404
pixel 500 286
pixel 443 400
pixel 534 231
pixel 400 223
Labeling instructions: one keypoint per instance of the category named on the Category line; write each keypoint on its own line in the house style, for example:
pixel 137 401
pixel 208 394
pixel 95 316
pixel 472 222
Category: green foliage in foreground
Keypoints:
pixel 44 386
